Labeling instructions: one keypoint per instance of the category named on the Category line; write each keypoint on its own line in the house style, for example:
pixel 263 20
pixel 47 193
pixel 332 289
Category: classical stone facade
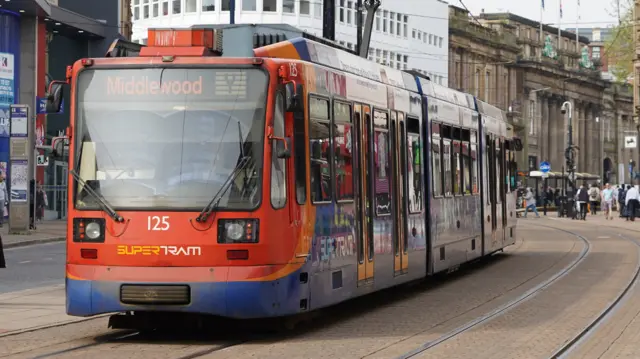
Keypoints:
pixel 503 59
pixel 619 124
pixel 553 68
pixel 481 60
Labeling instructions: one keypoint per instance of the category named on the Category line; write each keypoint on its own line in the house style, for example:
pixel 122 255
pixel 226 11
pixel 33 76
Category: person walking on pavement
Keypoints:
pixel 607 201
pixel 622 195
pixel 531 203
pixel 582 197
pixel 632 201
pixel 4 198
pixel 594 196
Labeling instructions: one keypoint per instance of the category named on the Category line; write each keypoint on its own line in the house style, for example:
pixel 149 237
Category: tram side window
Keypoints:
pixel 300 156
pixel 414 156
pixel 474 169
pixel 278 165
pixel 382 163
pixel 436 160
pixel 319 136
pixel 446 163
pixel 457 188
pixel 343 150
pixel 466 168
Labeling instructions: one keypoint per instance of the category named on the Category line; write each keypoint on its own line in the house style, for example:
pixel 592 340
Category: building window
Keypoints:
pixel 190 6
pixel 413 33
pixel 595 52
pixel 145 12
pixel 136 13
pixel 288 6
pixel 440 42
pixel 377 23
pixel 431 39
pixel 305 7
pixel 249 5
pixel 155 8
pixel 165 8
pixel 392 22
pixel 270 5
pixel 349 12
pixel 177 7
pixel 208 5
pixel 385 16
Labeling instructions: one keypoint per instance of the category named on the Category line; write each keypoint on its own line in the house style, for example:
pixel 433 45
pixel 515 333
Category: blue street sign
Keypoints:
pixel 545 167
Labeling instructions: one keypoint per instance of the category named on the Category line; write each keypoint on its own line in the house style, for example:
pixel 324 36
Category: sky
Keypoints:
pixel 593 13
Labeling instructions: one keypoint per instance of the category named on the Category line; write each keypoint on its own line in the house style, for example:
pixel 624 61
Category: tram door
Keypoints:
pixel 364 191
pixel 399 191
pixel 498 179
pixel 493 192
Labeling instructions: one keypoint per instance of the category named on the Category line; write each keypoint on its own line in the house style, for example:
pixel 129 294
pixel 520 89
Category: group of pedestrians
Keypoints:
pixel 625 198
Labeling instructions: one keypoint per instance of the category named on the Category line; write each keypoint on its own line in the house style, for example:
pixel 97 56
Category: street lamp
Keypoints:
pixel 569 153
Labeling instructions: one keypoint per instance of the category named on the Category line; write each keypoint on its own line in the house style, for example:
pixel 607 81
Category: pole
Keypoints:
pixel 541 37
pixel 328 20
pixel 577 27
pixel 232 12
pixel 559 23
pixel 359 25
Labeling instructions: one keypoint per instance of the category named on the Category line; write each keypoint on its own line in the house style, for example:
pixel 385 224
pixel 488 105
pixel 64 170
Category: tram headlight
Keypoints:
pixel 238 231
pixel 93 230
pixel 88 230
pixel 234 231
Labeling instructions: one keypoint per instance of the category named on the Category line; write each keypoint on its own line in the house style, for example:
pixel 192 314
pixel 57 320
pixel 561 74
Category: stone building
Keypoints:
pixel 481 60
pixel 618 124
pixel 552 69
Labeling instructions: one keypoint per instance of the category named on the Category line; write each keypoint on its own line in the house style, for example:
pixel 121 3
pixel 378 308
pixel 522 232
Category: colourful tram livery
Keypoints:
pixel 273 185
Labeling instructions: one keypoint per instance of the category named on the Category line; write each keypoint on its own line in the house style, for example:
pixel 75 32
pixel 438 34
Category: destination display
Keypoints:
pixel 171 84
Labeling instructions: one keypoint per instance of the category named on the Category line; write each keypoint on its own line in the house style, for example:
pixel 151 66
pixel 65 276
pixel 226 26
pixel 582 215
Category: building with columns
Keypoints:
pixel 551 69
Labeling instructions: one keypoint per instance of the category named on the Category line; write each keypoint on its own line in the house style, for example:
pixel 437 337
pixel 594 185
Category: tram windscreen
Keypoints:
pixel 169 138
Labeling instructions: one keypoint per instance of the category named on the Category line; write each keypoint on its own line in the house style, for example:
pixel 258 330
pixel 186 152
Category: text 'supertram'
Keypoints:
pixel 272 185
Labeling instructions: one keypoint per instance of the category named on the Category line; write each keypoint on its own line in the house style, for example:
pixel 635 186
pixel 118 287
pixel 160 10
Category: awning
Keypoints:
pixel 59 20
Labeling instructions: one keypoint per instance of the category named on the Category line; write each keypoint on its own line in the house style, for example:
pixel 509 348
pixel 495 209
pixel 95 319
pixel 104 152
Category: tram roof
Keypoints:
pixel 304 49
pixel 434 90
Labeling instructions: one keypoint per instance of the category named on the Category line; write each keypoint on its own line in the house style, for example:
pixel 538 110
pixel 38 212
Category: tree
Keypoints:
pixel 619 49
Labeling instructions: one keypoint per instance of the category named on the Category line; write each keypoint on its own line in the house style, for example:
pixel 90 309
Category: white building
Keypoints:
pixel 407 34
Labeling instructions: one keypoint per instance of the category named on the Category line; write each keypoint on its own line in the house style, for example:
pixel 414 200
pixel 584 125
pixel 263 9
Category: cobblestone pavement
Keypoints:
pixel 390 324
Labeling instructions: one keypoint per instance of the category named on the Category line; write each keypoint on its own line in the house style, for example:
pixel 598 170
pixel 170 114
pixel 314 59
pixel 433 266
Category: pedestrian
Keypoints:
pixel 622 195
pixel 531 203
pixel 607 201
pixel 582 198
pixel 632 202
pixel 594 196
pixel 4 198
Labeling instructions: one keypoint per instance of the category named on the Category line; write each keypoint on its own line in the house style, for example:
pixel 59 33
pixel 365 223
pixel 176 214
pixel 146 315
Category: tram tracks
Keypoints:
pixel 578 337
pixel 509 305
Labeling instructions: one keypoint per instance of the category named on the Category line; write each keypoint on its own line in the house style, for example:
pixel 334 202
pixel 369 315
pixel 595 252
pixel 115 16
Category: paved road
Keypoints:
pixel 33 267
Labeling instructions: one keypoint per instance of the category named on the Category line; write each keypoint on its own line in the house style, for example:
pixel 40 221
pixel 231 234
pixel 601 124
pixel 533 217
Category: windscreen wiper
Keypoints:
pixel 100 198
pixel 206 211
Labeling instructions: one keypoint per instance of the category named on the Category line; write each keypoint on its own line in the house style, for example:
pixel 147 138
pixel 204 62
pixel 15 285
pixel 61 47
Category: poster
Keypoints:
pixel 7 96
pixel 19 122
pixel 19 181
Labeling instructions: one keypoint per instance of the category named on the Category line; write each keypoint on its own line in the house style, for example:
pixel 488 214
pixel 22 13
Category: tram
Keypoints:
pixel 273 185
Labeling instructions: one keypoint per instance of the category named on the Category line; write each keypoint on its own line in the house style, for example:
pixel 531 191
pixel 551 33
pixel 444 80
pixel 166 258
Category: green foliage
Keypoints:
pixel 619 48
